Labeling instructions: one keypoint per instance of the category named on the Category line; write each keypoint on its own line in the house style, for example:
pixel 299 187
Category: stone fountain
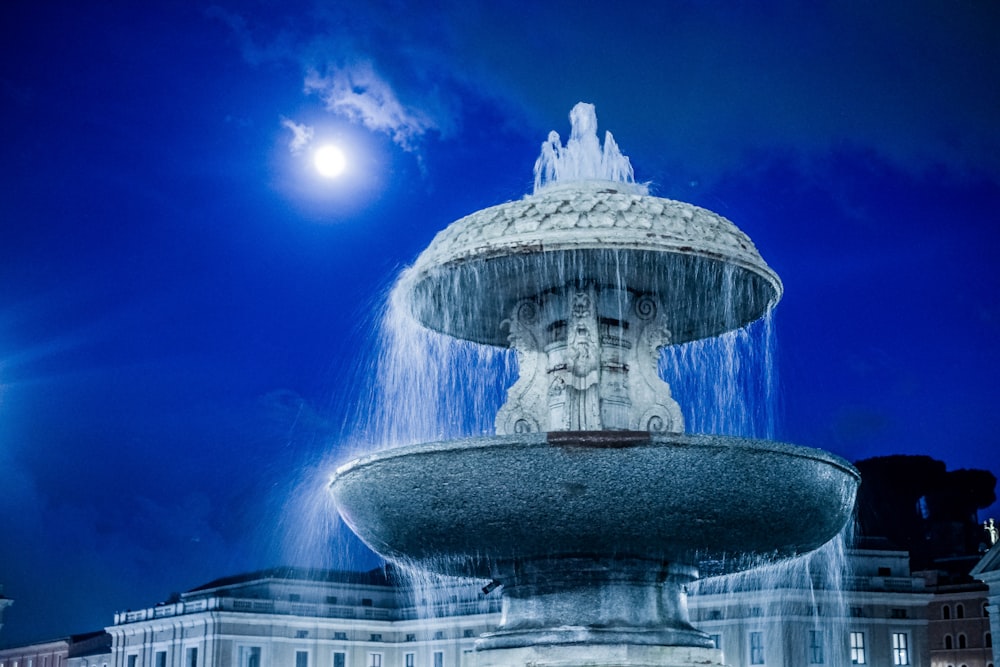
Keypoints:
pixel 590 508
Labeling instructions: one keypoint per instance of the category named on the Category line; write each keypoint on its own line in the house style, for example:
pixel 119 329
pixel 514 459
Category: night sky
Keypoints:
pixel 188 310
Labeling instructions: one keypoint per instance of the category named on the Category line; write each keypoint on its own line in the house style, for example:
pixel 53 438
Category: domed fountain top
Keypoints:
pixel 589 222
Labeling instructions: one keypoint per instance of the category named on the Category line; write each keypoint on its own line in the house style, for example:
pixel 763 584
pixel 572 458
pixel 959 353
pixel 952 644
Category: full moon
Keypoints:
pixel 330 161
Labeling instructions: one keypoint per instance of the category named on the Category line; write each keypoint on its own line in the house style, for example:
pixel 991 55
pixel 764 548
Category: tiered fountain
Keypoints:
pixel 591 508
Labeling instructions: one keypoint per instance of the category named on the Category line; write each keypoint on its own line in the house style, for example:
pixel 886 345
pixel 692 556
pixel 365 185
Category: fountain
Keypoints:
pixel 591 509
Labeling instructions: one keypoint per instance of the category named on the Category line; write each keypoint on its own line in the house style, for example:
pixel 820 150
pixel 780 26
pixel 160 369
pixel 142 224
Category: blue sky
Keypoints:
pixel 188 311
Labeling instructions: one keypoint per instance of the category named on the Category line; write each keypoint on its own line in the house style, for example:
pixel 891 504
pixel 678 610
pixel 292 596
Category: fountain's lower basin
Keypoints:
pixel 477 507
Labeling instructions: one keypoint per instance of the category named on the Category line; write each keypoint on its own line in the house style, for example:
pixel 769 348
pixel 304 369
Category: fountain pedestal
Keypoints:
pixel 596 600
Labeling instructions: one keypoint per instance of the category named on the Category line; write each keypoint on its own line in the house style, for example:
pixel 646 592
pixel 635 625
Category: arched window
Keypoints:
pixel 988 640
pixel 961 641
pixel 946 612
pixel 947 642
pixel 986 610
pixel 959 611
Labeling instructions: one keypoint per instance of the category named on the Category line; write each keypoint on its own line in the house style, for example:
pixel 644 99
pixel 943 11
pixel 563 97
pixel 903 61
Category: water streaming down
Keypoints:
pixel 617 322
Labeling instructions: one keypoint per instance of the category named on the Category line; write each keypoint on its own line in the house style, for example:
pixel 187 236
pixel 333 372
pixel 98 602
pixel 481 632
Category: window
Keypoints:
pixel 885 572
pixel 132 659
pixel 716 640
pixel 815 647
pixel 438 659
pixel 249 656
pixel 301 634
pixel 948 645
pixel 438 635
pixel 986 610
pixel 294 597
pixel 816 653
pixel 409 659
pixel 988 640
pixel 342 636
pixel 959 611
pixel 897 613
pixel 468 632
pixel 191 657
pixel 339 659
pixel 366 602
pixel 961 641
pixel 411 636
pixel 946 612
pixel 302 659
pixel 331 599
pixel 857 612
pixel 858 649
pixel 715 615
pixel 375 637
pixel 900 649
pixel 756 648
pixel 756 612
pixel 374 660
pixel 161 659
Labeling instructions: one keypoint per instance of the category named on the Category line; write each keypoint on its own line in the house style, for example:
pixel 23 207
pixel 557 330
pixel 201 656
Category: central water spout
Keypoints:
pixel 583 158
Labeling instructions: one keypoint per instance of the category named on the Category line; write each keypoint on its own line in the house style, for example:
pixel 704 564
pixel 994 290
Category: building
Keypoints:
pixel 305 618
pixel 857 607
pixel 987 571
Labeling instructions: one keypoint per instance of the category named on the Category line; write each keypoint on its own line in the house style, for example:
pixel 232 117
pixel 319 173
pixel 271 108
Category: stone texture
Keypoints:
pixel 462 506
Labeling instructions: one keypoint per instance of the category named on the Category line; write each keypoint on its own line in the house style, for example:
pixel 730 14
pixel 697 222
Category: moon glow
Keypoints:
pixel 330 161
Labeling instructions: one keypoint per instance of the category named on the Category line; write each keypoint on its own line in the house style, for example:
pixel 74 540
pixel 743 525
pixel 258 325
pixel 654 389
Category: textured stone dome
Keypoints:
pixel 706 272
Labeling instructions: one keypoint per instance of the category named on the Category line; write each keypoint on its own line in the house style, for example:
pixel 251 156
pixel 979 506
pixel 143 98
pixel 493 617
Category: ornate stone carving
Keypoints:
pixel 524 410
pixel 588 361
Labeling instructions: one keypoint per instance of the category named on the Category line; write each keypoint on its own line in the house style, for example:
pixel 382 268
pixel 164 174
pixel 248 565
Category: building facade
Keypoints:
pixel 878 614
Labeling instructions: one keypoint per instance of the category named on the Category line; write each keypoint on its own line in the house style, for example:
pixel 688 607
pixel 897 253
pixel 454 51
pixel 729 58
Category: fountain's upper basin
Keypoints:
pixel 705 272
pixel 459 507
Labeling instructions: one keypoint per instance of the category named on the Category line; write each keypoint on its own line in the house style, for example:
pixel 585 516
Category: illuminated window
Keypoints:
pixel 858 649
pixel 900 649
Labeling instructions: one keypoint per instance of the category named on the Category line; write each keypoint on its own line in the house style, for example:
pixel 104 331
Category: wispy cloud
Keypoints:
pixel 361 94
pixel 301 135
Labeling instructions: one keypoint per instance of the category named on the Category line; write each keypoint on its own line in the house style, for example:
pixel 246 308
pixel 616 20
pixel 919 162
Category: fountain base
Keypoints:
pixel 594 600
pixel 602 655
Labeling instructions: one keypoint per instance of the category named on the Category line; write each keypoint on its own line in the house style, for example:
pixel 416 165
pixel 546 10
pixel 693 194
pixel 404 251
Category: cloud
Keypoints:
pixel 360 93
pixel 301 135
pixel 361 66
